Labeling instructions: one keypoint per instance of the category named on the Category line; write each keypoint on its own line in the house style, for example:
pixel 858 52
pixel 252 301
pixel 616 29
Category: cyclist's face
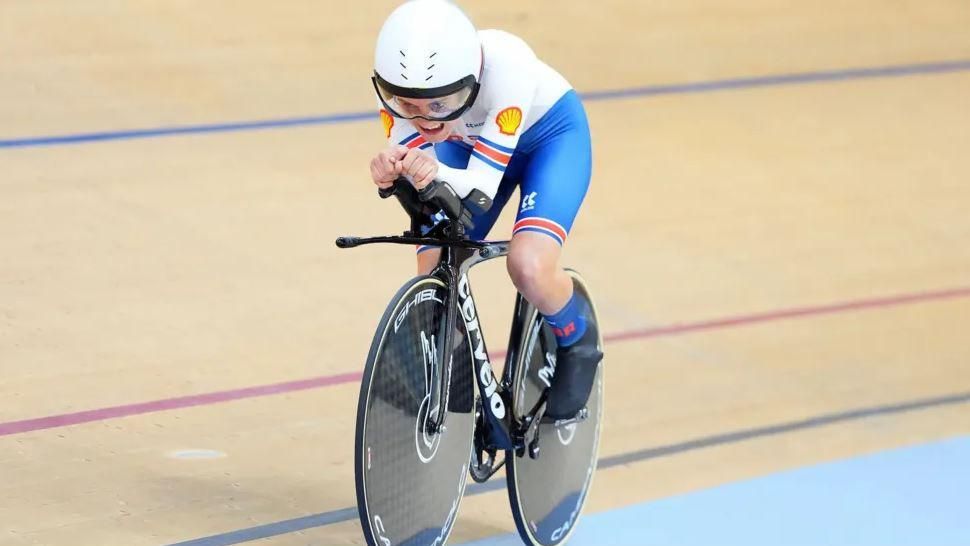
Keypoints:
pixel 432 131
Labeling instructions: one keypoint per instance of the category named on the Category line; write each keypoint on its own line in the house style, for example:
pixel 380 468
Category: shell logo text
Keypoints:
pixel 387 121
pixel 509 120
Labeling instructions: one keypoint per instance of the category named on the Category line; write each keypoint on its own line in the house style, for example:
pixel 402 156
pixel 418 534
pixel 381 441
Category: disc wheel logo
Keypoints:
pixel 424 443
pixel 566 433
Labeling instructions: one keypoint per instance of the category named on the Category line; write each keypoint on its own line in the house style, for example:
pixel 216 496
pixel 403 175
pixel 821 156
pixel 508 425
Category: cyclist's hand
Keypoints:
pixel 421 167
pixel 385 168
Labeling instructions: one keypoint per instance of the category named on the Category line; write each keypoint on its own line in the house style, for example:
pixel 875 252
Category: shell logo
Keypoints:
pixel 509 120
pixel 387 121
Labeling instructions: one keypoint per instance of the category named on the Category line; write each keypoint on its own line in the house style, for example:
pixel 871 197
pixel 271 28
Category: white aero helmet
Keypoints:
pixel 427 49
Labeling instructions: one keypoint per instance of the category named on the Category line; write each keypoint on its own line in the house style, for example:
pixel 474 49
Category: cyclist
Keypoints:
pixel 480 112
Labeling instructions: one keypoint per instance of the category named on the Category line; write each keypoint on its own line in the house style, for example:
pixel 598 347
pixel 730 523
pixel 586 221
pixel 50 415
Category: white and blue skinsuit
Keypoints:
pixel 527 128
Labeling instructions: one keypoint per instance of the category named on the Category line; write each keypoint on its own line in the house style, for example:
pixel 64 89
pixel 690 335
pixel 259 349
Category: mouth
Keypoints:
pixel 433 130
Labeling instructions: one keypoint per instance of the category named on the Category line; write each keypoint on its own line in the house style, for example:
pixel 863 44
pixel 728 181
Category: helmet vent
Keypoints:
pixel 430 67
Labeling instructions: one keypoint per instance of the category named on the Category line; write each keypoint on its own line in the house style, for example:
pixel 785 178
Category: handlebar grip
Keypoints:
pixel 347 242
pixel 407 196
pixel 393 189
pixel 441 194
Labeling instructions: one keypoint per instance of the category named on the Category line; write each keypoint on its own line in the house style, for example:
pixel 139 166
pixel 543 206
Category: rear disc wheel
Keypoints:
pixel 547 493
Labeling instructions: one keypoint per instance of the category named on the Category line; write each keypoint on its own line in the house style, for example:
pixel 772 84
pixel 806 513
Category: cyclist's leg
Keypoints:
pixel 554 185
pixel 427 258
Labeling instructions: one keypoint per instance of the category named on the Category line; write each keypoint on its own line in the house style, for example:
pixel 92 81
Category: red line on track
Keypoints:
pixel 114 412
pixel 796 312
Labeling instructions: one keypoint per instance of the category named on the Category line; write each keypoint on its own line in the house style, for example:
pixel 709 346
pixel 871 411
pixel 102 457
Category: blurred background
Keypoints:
pixel 777 236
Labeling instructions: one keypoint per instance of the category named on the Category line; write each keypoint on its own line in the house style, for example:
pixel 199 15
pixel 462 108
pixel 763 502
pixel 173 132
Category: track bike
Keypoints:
pixel 432 411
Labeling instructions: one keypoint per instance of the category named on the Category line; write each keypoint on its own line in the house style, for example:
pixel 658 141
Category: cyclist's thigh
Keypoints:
pixel 554 184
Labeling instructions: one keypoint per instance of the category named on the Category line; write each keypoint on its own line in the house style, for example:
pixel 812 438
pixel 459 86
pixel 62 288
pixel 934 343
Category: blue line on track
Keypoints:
pixel 784 79
pixel 257 125
pixel 274 529
pixel 346 514
pixel 615 94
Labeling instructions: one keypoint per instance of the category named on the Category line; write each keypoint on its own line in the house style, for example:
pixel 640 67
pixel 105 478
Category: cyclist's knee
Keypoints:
pixel 532 262
pixel 525 270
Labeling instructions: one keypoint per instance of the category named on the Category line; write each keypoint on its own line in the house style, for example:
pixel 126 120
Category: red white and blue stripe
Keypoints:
pixel 541 225
pixel 492 154
pixel 416 141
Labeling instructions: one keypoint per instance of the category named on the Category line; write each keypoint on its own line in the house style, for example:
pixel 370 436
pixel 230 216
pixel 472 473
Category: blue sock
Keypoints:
pixel 569 323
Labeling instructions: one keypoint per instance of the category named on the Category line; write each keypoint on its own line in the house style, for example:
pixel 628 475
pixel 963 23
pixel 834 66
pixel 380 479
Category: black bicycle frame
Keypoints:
pixel 458 256
pixel 454 266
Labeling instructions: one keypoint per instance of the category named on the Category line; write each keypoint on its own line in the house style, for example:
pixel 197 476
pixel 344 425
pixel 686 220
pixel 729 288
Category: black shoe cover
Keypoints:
pixel 575 372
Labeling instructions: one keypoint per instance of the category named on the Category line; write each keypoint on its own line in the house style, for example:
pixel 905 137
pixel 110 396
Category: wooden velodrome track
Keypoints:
pixel 783 265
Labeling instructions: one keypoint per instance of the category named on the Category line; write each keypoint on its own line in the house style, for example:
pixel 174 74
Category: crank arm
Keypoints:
pixel 527 433
pixel 482 471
